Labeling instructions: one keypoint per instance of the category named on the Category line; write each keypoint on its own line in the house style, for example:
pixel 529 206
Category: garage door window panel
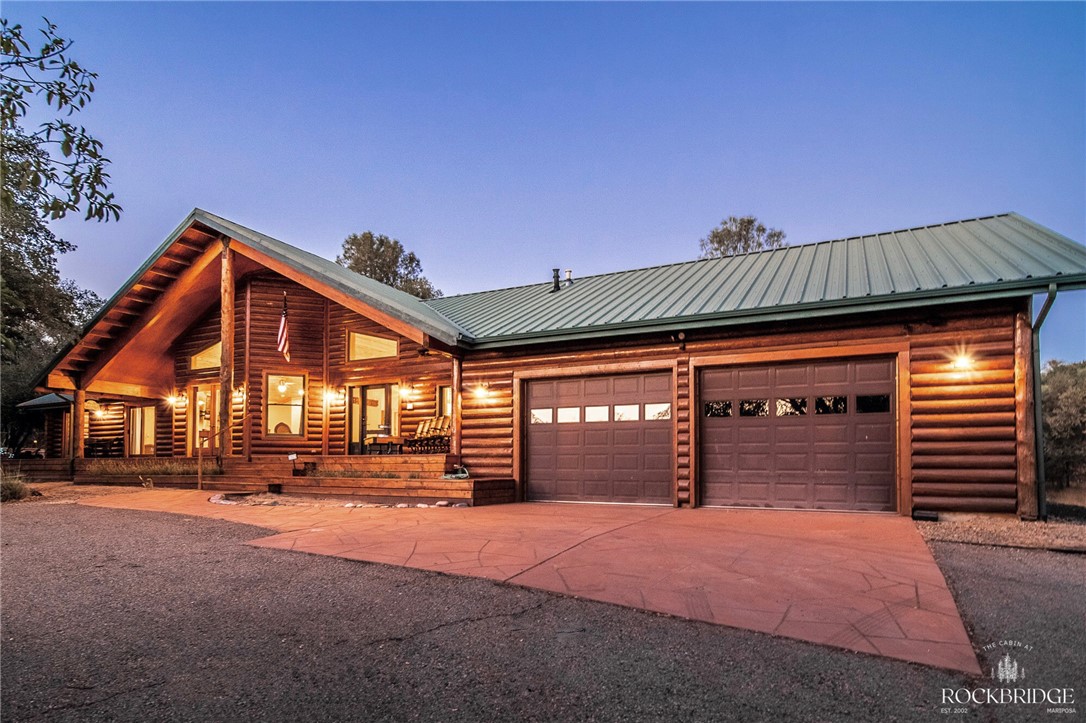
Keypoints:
pixel 597 414
pixel 542 416
pixel 718 409
pixel 872 403
pixel 754 408
pixel 792 407
pixel 831 405
pixel 656 412
pixel 627 412
pixel 569 415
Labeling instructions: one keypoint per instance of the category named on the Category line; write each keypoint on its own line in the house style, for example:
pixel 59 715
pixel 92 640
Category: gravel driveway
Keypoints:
pixel 122 615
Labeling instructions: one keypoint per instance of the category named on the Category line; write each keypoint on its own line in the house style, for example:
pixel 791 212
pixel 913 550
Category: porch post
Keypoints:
pixel 457 410
pixel 226 361
pixel 79 405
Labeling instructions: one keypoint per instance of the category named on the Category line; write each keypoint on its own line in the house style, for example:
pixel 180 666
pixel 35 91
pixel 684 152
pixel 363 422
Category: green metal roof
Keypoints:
pixel 991 257
pixel 392 301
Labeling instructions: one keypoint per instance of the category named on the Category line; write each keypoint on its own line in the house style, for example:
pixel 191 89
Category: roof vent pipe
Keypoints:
pixel 569 277
pixel 557 279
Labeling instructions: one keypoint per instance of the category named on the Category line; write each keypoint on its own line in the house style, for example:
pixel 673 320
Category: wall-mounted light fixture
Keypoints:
pixel 963 363
pixel 482 391
pixel 239 393
pixel 99 414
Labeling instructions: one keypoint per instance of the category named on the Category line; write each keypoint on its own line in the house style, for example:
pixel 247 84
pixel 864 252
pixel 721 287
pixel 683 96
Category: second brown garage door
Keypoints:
pixel 600 439
pixel 816 435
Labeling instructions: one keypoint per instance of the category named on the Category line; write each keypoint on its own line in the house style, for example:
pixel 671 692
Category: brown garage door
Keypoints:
pixel 818 435
pixel 600 439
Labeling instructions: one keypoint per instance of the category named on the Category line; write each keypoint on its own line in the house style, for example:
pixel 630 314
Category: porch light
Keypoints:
pixel 99 414
pixel 334 396
pixel 239 393
pixel 172 400
pixel 482 391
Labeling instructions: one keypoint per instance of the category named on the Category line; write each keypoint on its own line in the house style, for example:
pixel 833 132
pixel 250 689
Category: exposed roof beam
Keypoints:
pixel 174 295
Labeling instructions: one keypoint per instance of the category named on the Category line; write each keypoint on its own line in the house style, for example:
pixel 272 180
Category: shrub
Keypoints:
pixel 12 487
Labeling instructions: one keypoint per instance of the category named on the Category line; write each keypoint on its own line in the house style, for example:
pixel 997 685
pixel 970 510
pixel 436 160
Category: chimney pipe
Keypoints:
pixel 556 281
pixel 569 277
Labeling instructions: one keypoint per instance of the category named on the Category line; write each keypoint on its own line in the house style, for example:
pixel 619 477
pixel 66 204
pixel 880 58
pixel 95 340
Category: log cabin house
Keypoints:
pixel 892 372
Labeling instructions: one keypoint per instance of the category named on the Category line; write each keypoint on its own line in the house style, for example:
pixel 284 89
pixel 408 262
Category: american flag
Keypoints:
pixel 284 332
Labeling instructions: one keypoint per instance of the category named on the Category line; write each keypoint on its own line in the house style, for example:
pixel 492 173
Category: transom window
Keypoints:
pixel 365 346
pixel 209 358
pixel 286 404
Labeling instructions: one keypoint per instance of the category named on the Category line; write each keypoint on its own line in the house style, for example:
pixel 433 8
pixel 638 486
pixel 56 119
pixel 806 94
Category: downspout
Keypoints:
pixel 1038 411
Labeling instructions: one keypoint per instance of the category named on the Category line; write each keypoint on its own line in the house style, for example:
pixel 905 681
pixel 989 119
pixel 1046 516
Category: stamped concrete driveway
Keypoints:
pixel 862 582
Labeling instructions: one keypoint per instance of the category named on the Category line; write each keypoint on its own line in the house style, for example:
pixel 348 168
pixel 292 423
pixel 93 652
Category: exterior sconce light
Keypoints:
pixel 482 391
pixel 334 396
pixel 239 393
pixel 963 363
pixel 99 414
pixel 172 400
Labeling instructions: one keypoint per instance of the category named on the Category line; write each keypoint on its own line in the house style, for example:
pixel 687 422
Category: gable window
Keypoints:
pixel 286 404
pixel 209 358
pixel 365 346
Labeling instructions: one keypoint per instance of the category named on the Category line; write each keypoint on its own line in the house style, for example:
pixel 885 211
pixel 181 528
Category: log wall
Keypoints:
pixel 961 426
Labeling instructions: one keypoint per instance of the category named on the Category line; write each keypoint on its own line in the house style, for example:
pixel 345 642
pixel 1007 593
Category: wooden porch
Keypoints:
pixel 383 479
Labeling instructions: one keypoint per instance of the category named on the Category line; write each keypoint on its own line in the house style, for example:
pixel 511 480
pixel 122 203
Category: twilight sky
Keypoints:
pixel 500 140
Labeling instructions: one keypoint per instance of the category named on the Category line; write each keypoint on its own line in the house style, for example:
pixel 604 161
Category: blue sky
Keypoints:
pixel 500 140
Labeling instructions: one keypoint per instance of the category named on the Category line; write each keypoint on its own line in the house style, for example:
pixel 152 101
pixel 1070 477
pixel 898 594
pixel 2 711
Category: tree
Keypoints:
pixel 76 177
pixel 40 311
pixel 384 259
pixel 740 235
pixel 1063 400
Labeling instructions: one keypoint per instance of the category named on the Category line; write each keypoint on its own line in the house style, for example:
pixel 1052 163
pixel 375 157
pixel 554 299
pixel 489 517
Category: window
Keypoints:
pixel 542 416
pixel 658 411
pixel 718 409
pixel 444 401
pixel 627 412
pixel 286 404
pixel 141 431
pixel 364 346
pixel 207 359
pixel 792 407
pixel 597 414
pixel 754 408
pixel 831 405
pixel 872 403
pixel 569 415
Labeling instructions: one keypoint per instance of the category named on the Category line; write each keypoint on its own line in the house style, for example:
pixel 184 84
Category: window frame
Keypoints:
pixel 348 346
pixel 301 434
pixel 218 358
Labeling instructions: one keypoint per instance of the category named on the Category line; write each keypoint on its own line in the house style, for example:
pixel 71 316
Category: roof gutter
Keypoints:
pixel 1038 406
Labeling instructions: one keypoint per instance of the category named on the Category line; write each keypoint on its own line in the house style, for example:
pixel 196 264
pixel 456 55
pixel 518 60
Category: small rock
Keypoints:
pixel 349 504
pixel 422 504
pixel 442 503
pixel 402 505
pixel 461 504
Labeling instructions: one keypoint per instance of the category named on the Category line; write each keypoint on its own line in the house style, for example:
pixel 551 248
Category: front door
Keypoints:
pixel 204 413
pixel 370 414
